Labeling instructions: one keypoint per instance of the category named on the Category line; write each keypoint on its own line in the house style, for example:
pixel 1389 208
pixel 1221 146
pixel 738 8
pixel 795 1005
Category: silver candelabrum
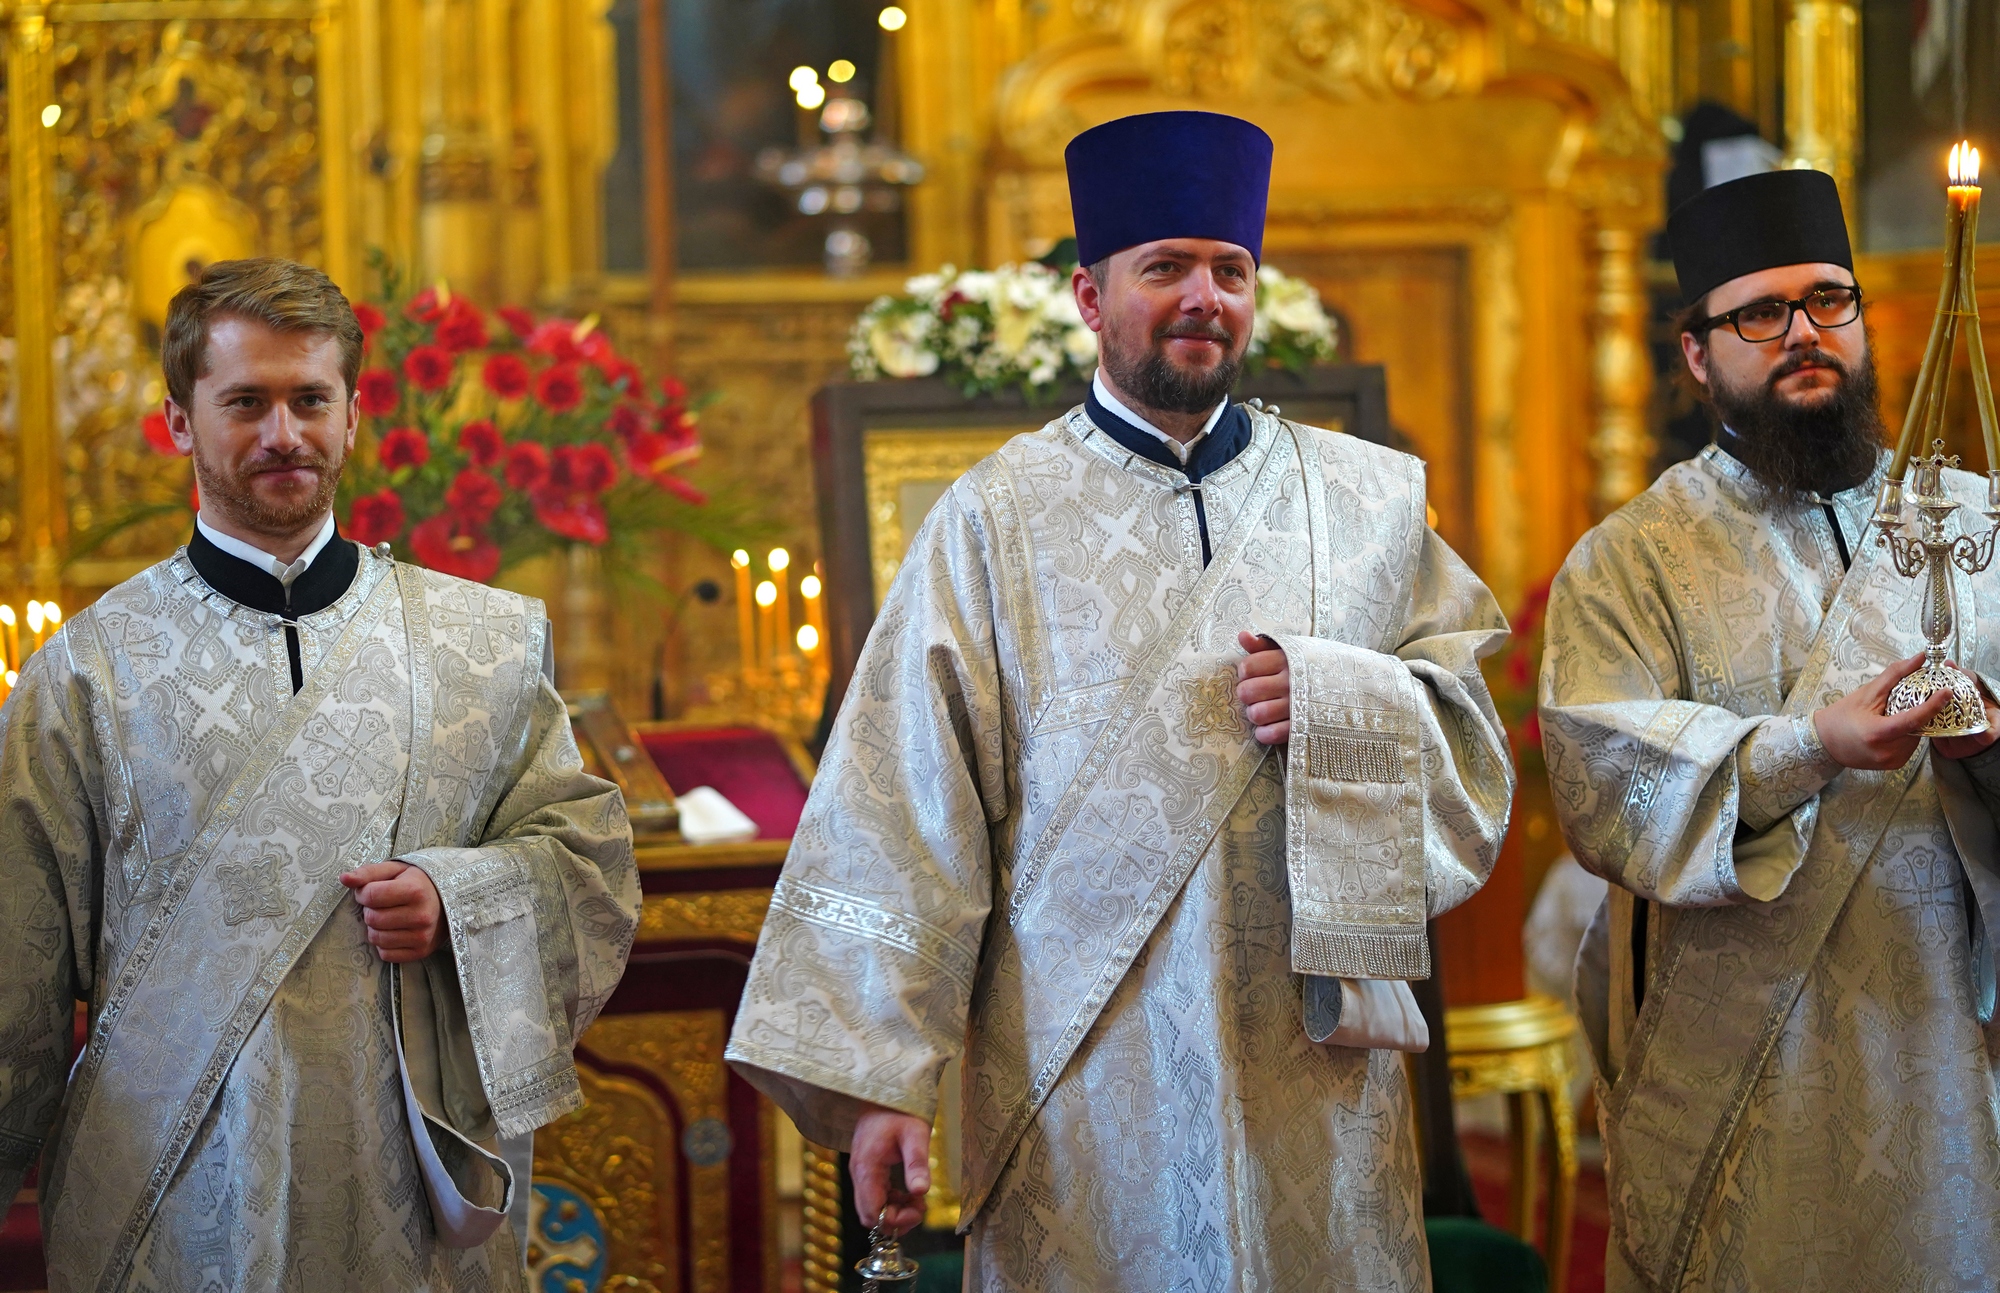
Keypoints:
pixel 1932 554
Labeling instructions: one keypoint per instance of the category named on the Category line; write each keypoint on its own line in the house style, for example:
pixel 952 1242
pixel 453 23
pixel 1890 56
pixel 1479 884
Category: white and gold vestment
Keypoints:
pixel 1043 835
pixel 1799 1088
pixel 173 826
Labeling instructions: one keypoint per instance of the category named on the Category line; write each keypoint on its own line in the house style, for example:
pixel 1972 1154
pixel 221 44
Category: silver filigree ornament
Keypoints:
pixel 1932 554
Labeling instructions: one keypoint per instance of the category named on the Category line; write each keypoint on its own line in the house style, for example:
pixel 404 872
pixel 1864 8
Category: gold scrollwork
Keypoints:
pixel 729 913
pixel 617 1152
pixel 620 1150
pixel 1348 49
pixel 176 141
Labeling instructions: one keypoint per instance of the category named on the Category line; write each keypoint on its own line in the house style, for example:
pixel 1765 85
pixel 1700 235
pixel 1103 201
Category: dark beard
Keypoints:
pixel 1156 382
pixel 231 493
pixel 1795 450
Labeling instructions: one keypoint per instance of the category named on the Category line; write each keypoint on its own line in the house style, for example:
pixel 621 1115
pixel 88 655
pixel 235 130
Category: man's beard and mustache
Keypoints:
pixel 1796 449
pixel 1157 382
pixel 233 492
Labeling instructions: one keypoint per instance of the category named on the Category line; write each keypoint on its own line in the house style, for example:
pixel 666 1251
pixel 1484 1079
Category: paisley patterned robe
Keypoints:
pixel 1804 1095
pixel 1043 836
pixel 173 823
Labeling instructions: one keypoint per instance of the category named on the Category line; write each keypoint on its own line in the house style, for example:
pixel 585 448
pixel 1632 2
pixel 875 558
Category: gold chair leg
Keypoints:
pixel 1521 1138
pixel 1562 1185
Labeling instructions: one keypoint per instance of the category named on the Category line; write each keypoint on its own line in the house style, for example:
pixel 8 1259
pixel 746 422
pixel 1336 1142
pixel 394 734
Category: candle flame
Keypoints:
pixel 808 638
pixel 1963 168
pixel 7 616
pixel 34 617
pixel 739 559
pixel 767 593
pixel 780 558
pixel 52 612
pixel 809 587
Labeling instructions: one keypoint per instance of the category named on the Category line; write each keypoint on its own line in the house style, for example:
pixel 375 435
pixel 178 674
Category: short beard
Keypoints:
pixel 1156 382
pixel 1795 450
pixel 233 495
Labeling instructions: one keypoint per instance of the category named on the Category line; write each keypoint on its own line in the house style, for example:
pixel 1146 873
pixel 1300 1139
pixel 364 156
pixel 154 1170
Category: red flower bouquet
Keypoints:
pixel 1512 675
pixel 490 439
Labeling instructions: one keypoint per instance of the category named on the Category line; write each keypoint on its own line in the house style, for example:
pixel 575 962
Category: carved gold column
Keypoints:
pixel 1645 47
pixel 941 128
pixel 1622 374
pixel 457 227
pixel 338 144
pixel 542 30
pixel 1822 80
pixel 822 1221
pixel 30 88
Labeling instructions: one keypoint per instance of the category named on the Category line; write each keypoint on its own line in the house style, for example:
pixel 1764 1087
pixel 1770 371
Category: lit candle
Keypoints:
pixel 1926 407
pixel 809 592
pixel 767 594
pixel 746 631
pixel 1968 305
pixel 781 561
pixel 13 633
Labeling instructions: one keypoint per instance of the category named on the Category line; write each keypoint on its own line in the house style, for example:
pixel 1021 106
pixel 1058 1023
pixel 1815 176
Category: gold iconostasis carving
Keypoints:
pixel 1497 161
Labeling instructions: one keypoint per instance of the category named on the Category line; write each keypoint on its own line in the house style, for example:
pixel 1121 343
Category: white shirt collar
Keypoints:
pixel 263 560
pixel 1181 451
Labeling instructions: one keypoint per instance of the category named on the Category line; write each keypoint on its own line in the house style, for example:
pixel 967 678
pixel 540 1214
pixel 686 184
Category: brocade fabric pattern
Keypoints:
pixel 1043 834
pixel 1807 1097
pixel 173 826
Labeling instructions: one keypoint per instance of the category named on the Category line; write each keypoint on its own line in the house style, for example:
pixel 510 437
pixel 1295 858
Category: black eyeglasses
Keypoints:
pixel 1761 321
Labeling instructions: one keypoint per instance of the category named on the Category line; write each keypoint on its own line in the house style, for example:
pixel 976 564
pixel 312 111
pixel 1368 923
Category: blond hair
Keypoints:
pixel 281 294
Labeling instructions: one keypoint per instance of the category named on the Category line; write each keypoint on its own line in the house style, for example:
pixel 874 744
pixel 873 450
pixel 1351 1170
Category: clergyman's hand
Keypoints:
pixel 1858 732
pixel 401 908
pixel 885 1140
pixel 1264 687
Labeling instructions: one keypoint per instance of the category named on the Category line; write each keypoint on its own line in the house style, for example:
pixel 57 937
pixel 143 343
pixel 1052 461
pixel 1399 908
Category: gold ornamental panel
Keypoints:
pixel 907 472
pixel 617 1155
pixel 147 139
pixel 183 140
pixel 728 913
pixel 622 1155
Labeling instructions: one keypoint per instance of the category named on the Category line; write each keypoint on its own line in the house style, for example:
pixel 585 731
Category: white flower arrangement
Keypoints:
pixel 1018 326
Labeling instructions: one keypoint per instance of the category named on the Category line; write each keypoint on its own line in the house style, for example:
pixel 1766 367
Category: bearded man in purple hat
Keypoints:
pixel 1168 739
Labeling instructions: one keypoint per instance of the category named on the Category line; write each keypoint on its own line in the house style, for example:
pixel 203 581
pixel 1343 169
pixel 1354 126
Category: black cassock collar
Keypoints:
pixel 321 585
pixel 329 576
pixel 1228 437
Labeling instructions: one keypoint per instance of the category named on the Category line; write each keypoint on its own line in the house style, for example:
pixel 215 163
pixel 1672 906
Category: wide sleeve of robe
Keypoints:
pixel 51 784
pixel 542 912
pixel 1679 802
pixel 863 975
pixel 1400 752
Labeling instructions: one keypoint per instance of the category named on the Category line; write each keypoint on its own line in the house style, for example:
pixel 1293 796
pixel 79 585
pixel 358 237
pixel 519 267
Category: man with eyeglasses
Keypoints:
pixel 1789 991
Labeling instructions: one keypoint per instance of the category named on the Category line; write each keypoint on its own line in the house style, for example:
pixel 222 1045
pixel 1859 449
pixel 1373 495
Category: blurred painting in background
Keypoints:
pixel 730 67
pixel 1930 72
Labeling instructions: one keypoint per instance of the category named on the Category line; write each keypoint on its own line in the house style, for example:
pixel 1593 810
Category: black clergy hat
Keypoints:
pixel 1168 175
pixel 1758 222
